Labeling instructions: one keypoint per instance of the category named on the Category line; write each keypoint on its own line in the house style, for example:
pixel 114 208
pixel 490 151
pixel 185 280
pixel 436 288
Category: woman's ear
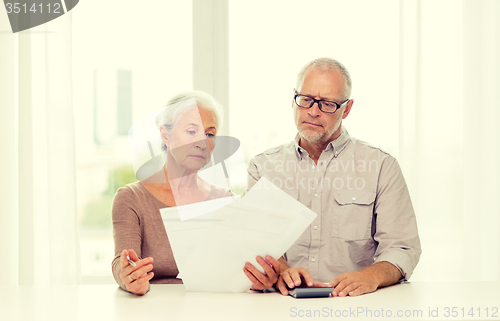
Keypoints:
pixel 164 135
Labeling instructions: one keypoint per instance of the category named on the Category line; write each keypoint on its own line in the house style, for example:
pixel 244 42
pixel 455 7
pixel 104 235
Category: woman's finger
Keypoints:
pixel 133 256
pixel 123 259
pixel 139 272
pixel 141 285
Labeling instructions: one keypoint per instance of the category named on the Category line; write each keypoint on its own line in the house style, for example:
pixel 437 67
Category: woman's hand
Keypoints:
pixel 136 278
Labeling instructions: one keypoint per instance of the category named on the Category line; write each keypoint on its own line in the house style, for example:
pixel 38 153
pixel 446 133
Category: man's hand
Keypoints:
pixel 294 277
pixel 354 283
pixel 271 273
pixel 365 281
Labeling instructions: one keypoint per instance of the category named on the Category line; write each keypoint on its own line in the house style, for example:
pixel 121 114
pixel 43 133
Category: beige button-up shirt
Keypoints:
pixel 364 209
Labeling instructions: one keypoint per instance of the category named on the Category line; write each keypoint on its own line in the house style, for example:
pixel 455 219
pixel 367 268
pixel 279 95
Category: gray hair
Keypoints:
pixel 169 115
pixel 327 64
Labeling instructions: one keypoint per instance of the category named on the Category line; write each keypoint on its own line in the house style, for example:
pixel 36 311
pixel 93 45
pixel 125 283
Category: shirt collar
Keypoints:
pixel 335 146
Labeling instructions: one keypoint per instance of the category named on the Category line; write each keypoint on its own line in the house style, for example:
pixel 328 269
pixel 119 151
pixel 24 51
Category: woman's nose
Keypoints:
pixel 202 143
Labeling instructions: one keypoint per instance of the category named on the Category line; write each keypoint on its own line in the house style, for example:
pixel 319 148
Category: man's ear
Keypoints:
pixel 348 108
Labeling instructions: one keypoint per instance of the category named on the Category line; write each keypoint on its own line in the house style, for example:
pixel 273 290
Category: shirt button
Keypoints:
pixel 313 259
pixel 315 227
pixel 316 195
pixel 353 198
pixel 313 167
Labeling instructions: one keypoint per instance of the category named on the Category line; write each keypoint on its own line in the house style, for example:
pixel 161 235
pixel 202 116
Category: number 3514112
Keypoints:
pixel 34 8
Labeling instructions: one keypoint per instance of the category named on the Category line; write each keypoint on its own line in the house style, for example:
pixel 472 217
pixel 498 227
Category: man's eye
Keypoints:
pixel 330 104
pixel 191 132
pixel 210 135
pixel 306 99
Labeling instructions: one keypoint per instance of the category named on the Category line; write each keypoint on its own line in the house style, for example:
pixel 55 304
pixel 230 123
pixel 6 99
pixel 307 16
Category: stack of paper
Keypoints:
pixel 213 240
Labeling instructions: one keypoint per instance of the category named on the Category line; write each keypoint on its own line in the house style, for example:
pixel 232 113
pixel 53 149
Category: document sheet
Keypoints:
pixel 213 240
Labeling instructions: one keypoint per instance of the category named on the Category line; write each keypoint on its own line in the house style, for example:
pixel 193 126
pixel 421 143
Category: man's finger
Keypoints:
pixel 256 283
pixel 295 276
pixel 351 287
pixel 256 273
pixel 341 286
pixel 360 290
pixel 336 281
pixel 307 277
pixel 267 268
pixel 281 286
pixel 320 284
pixel 274 263
pixel 270 273
pixel 287 279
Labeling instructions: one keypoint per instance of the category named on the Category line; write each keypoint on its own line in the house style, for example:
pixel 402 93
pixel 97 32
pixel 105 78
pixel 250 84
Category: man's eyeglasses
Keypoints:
pixel 326 106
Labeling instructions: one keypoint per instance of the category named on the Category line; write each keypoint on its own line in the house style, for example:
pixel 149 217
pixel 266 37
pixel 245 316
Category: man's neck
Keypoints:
pixel 314 149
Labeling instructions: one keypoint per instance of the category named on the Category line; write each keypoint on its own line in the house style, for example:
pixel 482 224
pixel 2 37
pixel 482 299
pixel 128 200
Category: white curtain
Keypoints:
pixel 38 229
pixel 449 136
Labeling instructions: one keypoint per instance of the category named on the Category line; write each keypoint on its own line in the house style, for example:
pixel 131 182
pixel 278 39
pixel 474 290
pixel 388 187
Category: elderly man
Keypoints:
pixel 365 235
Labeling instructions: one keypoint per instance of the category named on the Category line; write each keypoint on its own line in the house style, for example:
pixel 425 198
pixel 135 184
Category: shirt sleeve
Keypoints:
pixel 126 229
pixel 396 227
pixel 253 174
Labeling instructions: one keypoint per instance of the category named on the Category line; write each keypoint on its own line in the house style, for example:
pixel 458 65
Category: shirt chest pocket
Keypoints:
pixel 352 214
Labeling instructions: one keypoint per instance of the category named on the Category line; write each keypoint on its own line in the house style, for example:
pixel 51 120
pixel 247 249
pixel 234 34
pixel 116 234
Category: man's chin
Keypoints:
pixel 310 136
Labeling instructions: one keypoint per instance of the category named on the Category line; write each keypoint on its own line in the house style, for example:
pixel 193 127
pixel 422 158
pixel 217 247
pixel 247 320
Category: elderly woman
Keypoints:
pixel 188 126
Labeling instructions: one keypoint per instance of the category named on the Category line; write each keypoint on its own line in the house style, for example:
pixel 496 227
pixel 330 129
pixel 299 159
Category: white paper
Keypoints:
pixel 196 217
pixel 211 249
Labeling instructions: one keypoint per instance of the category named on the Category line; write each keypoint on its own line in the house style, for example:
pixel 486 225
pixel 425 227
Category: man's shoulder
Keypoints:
pixel 368 149
pixel 276 151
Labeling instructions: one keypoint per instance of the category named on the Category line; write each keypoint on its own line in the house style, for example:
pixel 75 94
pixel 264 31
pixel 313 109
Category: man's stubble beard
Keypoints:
pixel 310 136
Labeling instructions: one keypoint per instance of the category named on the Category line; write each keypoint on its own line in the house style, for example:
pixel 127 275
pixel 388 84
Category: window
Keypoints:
pixel 268 47
pixel 127 63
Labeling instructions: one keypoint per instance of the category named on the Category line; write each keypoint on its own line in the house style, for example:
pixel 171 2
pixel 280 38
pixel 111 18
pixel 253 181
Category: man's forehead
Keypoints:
pixel 321 82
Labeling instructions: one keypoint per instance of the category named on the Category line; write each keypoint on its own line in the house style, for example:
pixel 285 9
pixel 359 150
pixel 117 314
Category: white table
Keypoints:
pixel 418 300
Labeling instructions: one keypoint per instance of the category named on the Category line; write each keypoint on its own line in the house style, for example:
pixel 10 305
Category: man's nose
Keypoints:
pixel 314 110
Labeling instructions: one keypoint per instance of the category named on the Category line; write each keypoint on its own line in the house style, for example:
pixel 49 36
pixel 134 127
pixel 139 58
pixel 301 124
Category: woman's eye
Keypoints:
pixel 210 135
pixel 191 132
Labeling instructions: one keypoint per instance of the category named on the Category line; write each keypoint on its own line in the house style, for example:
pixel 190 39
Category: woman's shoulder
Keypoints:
pixel 131 193
pixel 135 193
pixel 130 190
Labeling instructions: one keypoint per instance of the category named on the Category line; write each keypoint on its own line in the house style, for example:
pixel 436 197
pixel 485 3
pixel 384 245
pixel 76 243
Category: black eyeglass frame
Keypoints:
pixel 320 106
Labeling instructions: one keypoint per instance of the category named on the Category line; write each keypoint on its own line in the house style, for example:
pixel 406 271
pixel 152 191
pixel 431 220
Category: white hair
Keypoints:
pixel 327 64
pixel 169 115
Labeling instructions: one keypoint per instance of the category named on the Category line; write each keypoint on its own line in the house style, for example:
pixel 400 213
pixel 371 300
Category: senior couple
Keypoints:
pixel 363 238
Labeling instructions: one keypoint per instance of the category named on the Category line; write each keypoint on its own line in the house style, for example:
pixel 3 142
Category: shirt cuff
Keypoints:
pixel 399 260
